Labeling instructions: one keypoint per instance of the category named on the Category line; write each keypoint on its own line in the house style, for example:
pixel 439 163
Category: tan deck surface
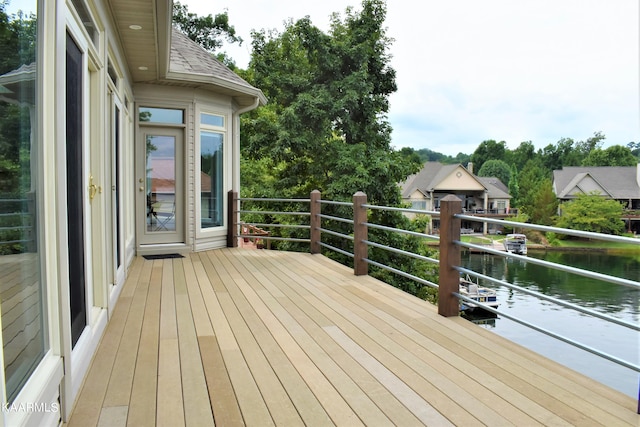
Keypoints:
pixel 261 338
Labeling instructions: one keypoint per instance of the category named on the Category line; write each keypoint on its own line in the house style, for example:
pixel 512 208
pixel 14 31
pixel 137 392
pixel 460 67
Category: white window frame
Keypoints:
pixel 226 173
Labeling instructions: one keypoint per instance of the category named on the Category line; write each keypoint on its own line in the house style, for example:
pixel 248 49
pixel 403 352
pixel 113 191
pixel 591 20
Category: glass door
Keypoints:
pixel 160 186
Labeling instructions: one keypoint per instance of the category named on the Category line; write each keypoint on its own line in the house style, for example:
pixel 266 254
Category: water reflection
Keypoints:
pixel 618 301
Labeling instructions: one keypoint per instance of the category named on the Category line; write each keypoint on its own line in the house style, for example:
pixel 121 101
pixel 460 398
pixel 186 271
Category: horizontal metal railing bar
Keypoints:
pixel 275 213
pixel 336 218
pixel 257 199
pixel 401 252
pixel 561 267
pixel 407 210
pixel 260 236
pixel 7 214
pixel 257 224
pixel 574 343
pixel 7 242
pixel 331 202
pixel 17 227
pixel 546 228
pixel 402 273
pixel 399 230
pixel 335 233
pixel 333 248
pixel 550 299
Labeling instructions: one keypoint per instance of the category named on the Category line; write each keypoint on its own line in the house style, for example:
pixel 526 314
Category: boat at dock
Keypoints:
pixel 482 295
pixel 515 244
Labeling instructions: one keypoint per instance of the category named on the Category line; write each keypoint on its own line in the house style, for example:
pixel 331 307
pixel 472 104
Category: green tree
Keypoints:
pixel 496 168
pixel 616 155
pixel 488 150
pixel 514 187
pixel 544 207
pixel 529 180
pixel 521 155
pixel 326 120
pixel 592 212
pixel 326 127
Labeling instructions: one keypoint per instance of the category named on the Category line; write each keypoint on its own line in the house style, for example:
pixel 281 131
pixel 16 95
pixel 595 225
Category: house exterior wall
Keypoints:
pixel 108 198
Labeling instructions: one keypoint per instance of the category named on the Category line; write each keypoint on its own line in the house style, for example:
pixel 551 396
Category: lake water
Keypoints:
pixel 614 300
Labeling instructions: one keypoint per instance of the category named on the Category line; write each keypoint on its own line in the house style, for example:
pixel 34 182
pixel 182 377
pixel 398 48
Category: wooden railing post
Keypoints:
pixel 232 219
pixel 360 234
pixel 448 304
pixel 315 222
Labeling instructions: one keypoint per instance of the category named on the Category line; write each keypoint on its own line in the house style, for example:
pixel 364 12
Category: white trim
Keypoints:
pixel 227 167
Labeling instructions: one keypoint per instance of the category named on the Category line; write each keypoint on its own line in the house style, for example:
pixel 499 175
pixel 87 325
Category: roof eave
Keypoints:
pixel 218 84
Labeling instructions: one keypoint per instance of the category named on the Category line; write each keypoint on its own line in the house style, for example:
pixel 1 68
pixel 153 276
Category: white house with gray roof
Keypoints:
pixel 621 183
pixel 479 195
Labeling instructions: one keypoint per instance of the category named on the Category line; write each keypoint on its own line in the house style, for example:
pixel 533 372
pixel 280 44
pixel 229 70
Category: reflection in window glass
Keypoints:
pixel 211 179
pixel 161 115
pixel 21 288
pixel 211 120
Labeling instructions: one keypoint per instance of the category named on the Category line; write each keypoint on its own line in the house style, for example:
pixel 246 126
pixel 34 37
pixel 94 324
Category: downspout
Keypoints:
pixel 253 106
pixel 235 179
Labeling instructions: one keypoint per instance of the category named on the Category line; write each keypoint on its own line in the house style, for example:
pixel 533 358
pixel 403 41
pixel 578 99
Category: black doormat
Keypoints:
pixel 162 256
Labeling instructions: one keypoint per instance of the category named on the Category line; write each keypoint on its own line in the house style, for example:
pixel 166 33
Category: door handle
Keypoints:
pixel 93 188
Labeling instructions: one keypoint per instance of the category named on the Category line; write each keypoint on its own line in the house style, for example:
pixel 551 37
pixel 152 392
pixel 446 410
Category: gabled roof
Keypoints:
pixel 495 187
pixel 435 176
pixel 617 182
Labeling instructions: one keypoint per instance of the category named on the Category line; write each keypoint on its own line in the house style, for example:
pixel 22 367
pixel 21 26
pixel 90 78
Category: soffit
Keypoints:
pixel 145 47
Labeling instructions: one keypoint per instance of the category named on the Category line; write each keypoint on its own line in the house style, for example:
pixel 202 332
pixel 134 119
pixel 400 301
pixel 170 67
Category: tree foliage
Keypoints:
pixel 592 212
pixel 326 126
pixel 326 121
pixel 616 155
pixel 496 168
pixel 488 150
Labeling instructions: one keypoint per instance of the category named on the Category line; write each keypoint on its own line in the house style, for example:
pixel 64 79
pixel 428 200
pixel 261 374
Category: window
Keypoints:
pixel 87 21
pixel 21 288
pixel 211 170
pixel 161 115
pixel 419 204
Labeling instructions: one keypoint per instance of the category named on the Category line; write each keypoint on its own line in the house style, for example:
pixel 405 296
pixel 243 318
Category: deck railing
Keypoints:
pixel 450 247
pixel 17 225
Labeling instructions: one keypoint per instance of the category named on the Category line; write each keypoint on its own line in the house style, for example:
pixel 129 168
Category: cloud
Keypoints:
pixel 471 70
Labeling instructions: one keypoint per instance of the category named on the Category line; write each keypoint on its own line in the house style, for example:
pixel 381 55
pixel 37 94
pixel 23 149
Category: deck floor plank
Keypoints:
pixel 143 401
pixel 240 337
pixel 121 381
pixel 197 406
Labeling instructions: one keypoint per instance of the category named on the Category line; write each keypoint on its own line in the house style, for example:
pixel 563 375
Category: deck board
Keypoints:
pixel 240 337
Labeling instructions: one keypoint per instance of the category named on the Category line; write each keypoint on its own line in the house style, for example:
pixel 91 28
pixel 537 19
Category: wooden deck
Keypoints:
pixel 241 337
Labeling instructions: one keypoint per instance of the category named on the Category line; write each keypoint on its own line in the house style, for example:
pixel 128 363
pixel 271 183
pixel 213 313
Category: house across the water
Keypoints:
pixel 480 195
pixel 621 183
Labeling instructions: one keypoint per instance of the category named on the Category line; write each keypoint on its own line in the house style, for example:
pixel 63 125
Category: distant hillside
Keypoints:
pixel 427 155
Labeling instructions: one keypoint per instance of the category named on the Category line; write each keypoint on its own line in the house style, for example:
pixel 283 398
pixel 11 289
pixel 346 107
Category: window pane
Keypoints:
pixel 211 179
pixel 161 183
pixel 161 115
pixel 21 287
pixel 211 120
